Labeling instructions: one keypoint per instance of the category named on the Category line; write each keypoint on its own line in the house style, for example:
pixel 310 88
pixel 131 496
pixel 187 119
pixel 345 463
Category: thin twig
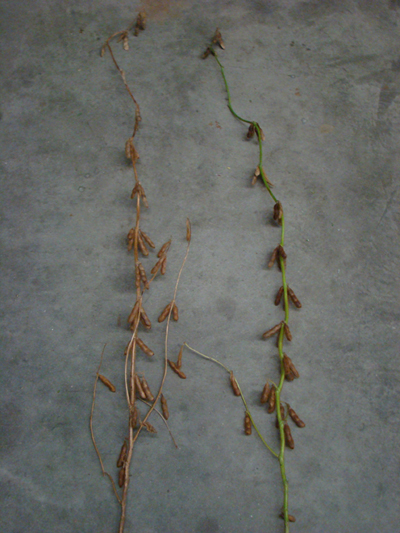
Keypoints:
pixel 92 432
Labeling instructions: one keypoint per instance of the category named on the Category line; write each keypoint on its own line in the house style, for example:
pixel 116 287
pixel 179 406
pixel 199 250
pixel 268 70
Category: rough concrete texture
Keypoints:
pixel 323 80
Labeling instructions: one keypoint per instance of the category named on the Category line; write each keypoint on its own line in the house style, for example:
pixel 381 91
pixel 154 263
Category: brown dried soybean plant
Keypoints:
pixel 271 394
pixel 136 387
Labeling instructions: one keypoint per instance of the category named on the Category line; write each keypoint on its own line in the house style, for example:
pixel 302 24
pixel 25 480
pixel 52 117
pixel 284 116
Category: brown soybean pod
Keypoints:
pixel 107 383
pixel 164 265
pixel 250 131
pixel 146 238
pixel 134 417
pixel 234 385
pixel 294 370
pixel 137 277
pixel 288 436
pixel 143 275
pixel 294 298
pixel 144 347
pixel 142 246
pixel 287 332
pixel 282 252
pixel 164 248
pixel 176 369
pixel 247 424
pixel 164 407
pixel 295 417
pixel 265 393
pixel 272 331
pixel 145 319
pixel 188 230
pixel 122 455
pixel 179 361
pixel 291 517
pixel 146 389
pixel 132 316
pixel 175 313
pixel 139 388
pixel 156 267
pixel 273 257
pixel 121 477
pixel 279 296
pixel 134 191
pixel 271 400
pixel 165 312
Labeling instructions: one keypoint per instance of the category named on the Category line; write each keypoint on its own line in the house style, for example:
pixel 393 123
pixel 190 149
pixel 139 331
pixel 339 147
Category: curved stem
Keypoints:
pixel 241 395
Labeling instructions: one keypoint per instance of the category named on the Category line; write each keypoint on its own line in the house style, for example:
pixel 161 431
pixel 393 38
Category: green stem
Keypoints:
pixel 281 422
pixel 241 394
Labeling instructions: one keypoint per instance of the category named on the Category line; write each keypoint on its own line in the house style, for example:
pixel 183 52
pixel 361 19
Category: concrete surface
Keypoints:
pixel 323 80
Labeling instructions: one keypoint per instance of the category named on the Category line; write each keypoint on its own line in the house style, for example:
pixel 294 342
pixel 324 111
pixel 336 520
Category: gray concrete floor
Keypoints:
pixel 323 80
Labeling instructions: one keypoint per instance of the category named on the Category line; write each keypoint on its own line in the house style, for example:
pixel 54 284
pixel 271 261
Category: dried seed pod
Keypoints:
pixel 139 388
pixel 175 313
pixel 121 477
pixel 205 54
pixel 144 319
pixel 164 248
pixel 146 389
pixel 295 417
pixel 143 276
pixel 179 361
pixel 143 195
pixel 235 388
pixel 140 23
pixel 250 131
pixel 163 265
pixel 134 417
pixel 134 191
pixel 188 230
pixel 144 347
pixel 142 246
pixel 272 400
pixel 132 316
pixel 156 267
pixel 165 312
pixel 164 407
pixel 294 298
pixel 288 437
pixel 261 136
pixel 176 369
pixel 291 517
pixel 128 148
pixel 293 369
pixel 289 375
pixel 130 245
pixel 217 39
pixel 149 427
pixel 131 234
pixel 137 277
pixel 265 393
pixel 281 252
pixel 122 455
pixel 107 383
pixel 273 257
pixel 256 174
pixel 247 424
pixel 272 331
pixel 279 296
pixel 146 238
pixel 278 212
pixel 287 332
